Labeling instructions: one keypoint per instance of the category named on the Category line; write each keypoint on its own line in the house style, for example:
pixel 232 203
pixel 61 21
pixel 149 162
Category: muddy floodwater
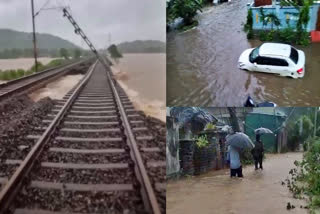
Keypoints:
pixel 202 65
pixel 143 77
pixel 58 88
pixel 22 63
pixel 259 192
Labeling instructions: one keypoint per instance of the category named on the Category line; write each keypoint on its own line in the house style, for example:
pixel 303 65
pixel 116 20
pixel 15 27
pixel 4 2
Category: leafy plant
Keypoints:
pixel 287 35
pixel 305 178
pixel 294 136
pixel 202 141
pixel 186 9
pixel 249 24
pixel 20 72
pixel 303 6
pixel 273 18
pixel 210 126
pixel 40 66
pixel 263 17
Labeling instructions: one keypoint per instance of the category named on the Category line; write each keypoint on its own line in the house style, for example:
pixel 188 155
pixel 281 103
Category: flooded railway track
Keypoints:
pixel 93 153
pixel 28 83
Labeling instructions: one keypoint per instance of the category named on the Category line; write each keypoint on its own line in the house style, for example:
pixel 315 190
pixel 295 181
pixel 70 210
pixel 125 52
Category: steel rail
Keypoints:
pixel 10 190
pixel 147 190
pixel 36 75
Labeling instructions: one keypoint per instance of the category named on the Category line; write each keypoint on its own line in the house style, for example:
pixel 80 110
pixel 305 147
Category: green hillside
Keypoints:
pixel 142 46
pixel 11 39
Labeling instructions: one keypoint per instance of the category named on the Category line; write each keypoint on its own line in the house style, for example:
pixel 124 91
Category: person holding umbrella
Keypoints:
pixel 237 142
pixel 258 151
pixel 234 159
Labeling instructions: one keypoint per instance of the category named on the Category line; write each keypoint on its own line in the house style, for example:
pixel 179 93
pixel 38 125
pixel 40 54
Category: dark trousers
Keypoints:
pixel 257 161
pixel 236 172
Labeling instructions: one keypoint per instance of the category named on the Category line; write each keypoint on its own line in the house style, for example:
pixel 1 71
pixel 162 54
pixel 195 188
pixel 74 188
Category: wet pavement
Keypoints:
pixel 202 65
pixel 259 192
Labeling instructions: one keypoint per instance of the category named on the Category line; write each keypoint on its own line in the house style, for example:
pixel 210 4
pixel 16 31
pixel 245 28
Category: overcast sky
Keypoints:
pixel 125 20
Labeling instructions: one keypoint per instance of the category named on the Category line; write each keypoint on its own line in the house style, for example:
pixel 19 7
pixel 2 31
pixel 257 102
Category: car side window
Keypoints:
pixel 257 60
pixel 278 62
pixel 262 60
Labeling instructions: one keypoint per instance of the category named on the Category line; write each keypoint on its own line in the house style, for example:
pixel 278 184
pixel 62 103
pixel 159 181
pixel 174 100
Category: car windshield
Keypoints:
pixel 294 55
pixel 254 54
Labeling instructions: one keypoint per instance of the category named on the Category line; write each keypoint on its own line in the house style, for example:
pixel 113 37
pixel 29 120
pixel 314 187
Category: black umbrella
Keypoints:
pixel 239 140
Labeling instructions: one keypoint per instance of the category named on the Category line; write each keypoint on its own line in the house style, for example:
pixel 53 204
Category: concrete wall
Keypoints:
pixel 285 14
pixel 172 147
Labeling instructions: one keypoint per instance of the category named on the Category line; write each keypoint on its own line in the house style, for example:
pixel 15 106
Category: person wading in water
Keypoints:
pixel 233 158
pixel 257 153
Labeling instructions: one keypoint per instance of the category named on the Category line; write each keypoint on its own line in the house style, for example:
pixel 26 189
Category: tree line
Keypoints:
pixel 54 53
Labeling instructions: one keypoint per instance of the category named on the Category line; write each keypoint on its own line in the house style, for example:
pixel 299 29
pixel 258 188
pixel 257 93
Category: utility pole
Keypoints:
pixel 34 38
pixel 315 121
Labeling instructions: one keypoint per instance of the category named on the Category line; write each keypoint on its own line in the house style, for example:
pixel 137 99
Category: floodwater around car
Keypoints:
pixel 202 65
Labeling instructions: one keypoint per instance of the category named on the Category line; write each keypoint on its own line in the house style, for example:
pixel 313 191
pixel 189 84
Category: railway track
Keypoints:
pixel 92 154
pixel 28 83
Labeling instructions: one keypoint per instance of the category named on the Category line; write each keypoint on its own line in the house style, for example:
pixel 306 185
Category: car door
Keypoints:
pixel 262 64
pixel 278 66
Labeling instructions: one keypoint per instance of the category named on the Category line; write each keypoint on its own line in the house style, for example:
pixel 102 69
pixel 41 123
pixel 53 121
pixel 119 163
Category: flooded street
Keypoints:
pixel 202 65
pixel 258 192
pixel 143 77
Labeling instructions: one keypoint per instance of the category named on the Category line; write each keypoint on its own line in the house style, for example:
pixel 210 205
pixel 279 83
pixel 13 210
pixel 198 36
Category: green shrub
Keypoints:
pixel 186 9
pixel 5 75
pixel 263 36
pixel 210 126
pixel 302 38
pixel 29 72
pixel 202 141
pixel 54 63
pixel 20 73
pixel 271 35
pixel 40 66
pixel 13 74
pixel 250 34
pixel 248 25
pixel 307 172
pixel 287 35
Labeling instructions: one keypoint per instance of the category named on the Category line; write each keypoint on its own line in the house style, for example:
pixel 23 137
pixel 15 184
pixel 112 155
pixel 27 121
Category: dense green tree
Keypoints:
pixel 77 53
pixel 114 52
pixel 186 9
pixel 64 53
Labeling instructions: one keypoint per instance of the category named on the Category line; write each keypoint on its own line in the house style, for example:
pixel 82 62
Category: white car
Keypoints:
pixel 276 58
